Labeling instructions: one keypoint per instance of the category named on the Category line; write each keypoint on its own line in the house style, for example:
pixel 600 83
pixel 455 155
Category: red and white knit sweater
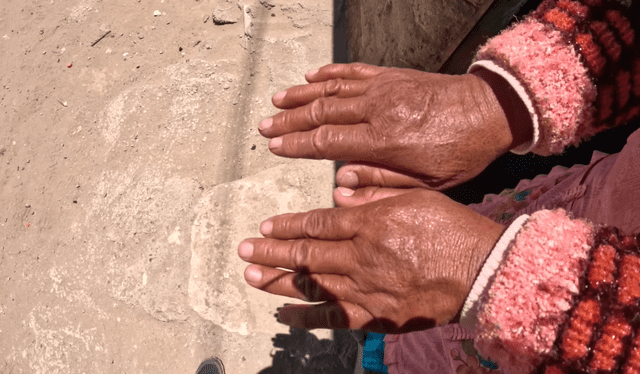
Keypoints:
pixel 559 295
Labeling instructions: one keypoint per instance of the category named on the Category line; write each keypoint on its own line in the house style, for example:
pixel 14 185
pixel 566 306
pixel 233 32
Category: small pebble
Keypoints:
pixel 157 13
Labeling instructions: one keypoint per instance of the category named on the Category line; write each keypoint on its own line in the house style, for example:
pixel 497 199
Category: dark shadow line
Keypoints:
pixel 301 352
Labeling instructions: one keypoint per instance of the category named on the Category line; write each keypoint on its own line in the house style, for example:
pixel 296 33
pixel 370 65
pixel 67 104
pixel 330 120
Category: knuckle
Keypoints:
pixel 266 249
pixel 332 87
pixel 301 254
pixel 283 223
pixel 313 224
pixel 363 69
pixel 358 67
pixel 371 193
pixel 320 142
pixel 283 118
pixel 378 177
pixel 317 111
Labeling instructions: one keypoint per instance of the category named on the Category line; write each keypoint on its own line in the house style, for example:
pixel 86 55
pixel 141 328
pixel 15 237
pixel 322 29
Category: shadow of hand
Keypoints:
pixel 302 352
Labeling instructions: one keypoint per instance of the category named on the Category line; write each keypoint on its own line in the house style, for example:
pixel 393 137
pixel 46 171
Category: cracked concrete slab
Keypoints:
pixel 229 213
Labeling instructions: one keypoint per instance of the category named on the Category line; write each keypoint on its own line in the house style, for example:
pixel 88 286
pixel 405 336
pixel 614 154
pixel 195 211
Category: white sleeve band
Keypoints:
pixel 522 93
pixel 498 254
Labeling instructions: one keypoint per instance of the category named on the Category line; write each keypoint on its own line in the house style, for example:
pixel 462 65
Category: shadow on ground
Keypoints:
pixel 302 352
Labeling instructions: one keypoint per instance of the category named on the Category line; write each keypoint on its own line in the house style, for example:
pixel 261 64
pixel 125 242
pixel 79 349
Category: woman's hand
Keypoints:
pixel 386 260
pixel 404 128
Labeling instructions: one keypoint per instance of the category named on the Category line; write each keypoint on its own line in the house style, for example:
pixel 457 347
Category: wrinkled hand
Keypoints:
pixel 405 128
pixel 386 260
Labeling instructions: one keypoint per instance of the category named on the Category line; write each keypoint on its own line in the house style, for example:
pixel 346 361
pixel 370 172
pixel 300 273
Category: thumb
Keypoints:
pixel 358 174
pixel 345 197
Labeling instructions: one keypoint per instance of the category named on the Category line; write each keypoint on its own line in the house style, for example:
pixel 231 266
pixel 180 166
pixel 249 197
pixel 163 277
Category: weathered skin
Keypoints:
pixel 402 127
pixel 385 260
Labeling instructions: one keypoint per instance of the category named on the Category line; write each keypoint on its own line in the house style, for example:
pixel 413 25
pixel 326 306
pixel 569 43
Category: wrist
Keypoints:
pixel 486 243
pixel 488 268
pixel 517 119
pixel 485 237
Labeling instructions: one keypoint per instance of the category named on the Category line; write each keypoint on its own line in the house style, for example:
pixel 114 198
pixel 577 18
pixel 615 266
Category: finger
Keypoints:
pixel 330 142
pixel 316 256
pixel 323 224
pixel 299 285
pixel 323 111
pixel 357 175
pixel 345 197
pixel 305 94
pixel 329 315
pixel 345 71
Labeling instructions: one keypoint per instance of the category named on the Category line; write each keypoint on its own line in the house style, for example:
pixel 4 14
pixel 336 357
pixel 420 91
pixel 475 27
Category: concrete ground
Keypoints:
pixel 130 170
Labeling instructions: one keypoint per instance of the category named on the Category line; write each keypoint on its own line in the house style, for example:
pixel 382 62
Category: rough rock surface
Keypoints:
pixel 226 14
pixel 413 34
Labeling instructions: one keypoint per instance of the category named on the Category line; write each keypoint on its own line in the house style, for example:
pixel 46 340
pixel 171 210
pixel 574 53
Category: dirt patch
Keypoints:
pixel 116 118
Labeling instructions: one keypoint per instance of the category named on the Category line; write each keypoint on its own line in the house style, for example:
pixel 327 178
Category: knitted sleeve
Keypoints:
pixel 565 299
pixel 575 64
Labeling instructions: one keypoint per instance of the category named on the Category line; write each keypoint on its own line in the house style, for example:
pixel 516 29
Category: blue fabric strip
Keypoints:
pixel 373 353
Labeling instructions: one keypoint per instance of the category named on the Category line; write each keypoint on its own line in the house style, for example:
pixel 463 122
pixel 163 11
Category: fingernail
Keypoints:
pixel 346 191
pixel 252 274
pixel 313 72
pixel 266 228
pixel 279 96
pixel 245 250
pixel 266 123
pixel 349 180
pixel 275 143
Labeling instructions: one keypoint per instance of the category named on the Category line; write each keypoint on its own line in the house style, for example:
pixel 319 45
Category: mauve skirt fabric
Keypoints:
pixel 606 192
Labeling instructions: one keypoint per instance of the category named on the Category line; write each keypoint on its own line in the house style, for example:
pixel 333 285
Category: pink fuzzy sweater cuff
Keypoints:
pixel 550 70
pixel 527 299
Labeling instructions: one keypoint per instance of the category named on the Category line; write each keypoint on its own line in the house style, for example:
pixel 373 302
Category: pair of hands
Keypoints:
pixel 386 259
